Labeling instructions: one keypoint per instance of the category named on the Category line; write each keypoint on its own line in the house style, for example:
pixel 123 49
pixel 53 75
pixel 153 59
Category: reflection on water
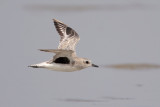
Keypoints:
pixel 139 85
pixel 134 66
pixel 117 98
pixel 102 99
pixel 78 100
pixel 72 8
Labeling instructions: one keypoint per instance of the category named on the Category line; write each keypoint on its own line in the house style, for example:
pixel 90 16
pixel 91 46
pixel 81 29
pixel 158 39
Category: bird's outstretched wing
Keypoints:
pixel 57 51
pixel 69 37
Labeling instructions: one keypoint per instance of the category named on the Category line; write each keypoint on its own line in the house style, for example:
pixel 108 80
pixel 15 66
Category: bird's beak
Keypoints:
pixel 93 65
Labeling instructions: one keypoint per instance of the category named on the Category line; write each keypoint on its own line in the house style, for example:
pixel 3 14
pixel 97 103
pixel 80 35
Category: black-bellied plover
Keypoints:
pixel 65 58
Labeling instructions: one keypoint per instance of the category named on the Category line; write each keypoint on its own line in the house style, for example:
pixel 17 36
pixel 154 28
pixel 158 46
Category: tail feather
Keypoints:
pixel 34 66
pixel 39 65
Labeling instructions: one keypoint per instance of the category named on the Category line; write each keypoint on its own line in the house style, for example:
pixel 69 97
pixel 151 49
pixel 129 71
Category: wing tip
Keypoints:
pixel 55 20
pixel 48 50
pixel 45 50
pixel 56 50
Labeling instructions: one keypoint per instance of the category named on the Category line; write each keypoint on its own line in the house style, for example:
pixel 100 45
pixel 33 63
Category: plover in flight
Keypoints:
pixel 65 58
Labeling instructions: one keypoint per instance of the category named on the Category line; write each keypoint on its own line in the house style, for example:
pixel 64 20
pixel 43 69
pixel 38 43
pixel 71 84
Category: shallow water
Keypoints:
pixel 124 35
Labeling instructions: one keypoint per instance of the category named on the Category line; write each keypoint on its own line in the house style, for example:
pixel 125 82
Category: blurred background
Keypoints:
pixel 121 36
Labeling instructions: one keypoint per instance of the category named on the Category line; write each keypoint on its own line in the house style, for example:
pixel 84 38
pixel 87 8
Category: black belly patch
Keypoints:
pixel 62 60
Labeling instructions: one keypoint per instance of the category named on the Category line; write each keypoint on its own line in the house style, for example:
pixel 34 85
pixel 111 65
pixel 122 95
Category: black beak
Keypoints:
pixel 93 65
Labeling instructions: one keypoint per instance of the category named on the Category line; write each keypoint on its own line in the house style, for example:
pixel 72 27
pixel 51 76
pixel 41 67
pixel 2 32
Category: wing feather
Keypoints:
pixel 56 51
pixel 69 38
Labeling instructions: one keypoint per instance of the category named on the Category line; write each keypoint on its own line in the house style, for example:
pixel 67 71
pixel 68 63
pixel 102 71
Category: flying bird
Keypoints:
pixel 65 58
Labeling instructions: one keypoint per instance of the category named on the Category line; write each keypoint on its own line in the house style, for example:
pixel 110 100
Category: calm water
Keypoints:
pixel 116 33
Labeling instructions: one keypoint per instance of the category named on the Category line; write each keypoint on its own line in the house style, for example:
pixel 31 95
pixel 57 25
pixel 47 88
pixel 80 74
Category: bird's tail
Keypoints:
pixel 34 66
pixel 40 65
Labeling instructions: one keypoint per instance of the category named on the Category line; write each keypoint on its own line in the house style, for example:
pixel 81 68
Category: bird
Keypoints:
pixel 65 58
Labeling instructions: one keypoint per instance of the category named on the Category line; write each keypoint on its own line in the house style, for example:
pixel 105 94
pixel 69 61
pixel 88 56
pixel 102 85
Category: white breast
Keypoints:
pixel 58 67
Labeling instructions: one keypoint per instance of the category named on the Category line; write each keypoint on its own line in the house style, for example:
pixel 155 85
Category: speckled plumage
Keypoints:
pixel 65 58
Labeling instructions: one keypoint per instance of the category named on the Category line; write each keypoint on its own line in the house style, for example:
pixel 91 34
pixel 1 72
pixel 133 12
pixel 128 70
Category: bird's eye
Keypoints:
pixel 87 62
